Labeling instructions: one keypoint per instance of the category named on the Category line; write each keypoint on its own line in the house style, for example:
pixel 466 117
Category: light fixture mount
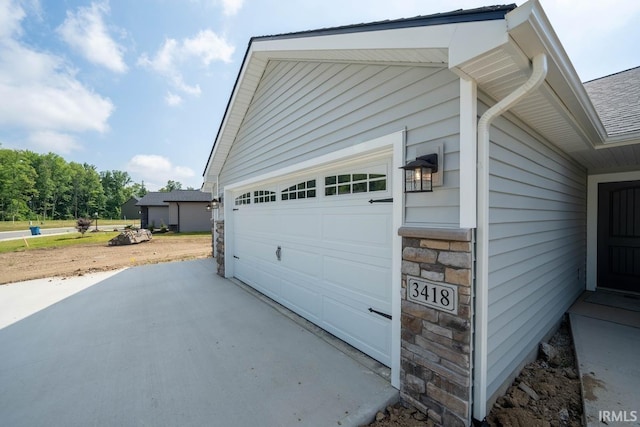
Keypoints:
pixel 418 174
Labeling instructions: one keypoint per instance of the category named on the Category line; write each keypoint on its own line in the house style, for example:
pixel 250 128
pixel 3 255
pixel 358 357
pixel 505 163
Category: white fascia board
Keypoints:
pixel 222 144
pixel 429 37
pixel 531 30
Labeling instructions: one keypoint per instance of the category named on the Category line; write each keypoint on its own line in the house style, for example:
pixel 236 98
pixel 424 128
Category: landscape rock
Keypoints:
pixel 549 354
pixel 130 237
pixel 524 387
pixel 563 415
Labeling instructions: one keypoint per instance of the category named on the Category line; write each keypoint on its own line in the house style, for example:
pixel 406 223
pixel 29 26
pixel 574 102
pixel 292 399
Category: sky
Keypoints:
pixel 142 85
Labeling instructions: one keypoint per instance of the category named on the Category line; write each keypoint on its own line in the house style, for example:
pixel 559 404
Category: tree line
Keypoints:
pixel 40 187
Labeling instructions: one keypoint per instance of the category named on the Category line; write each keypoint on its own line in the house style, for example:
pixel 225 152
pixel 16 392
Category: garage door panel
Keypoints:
pixel 368 279
pixel 301 261
pixel 252 274
pixel 257 250
pixel 356 228
pixel 300 226
pixel 361 328
pixel 302 299
pixel 256 224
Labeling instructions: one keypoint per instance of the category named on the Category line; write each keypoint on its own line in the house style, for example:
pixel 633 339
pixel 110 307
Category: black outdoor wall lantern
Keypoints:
pixel 214 204
pixel 418 174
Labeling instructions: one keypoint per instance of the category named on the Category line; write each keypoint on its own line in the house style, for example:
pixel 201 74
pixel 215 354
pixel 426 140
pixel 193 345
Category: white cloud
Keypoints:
pixel 231 7
pixel 54 141
pixel 208 46
pixel 39 90
pixel 172 99
pixel 10 17
pixel 86 32
pixel 154 168
pixel 204 47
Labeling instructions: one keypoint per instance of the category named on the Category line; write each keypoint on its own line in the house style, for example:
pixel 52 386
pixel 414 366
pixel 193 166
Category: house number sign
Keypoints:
pixel 441 296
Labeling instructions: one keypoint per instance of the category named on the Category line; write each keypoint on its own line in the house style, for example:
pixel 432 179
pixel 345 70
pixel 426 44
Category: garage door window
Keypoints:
pixel 302 190
pixel 354 183
pixel 243 199
pixel 264 196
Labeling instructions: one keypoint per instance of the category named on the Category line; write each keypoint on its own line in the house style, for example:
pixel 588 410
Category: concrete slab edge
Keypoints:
pixel 576 352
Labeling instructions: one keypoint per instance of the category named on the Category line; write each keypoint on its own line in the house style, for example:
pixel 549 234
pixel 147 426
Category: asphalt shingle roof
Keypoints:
pixel 616 99
pixel 486 13
pixel 161 198
pixel 153 198
pixel 187 196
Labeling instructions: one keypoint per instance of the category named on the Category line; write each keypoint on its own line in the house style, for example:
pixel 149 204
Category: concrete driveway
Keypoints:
pixel 176 345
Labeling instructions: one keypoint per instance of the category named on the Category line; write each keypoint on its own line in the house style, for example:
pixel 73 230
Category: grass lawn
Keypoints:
pixel 24 225
pixel 56 241
pixel 69 239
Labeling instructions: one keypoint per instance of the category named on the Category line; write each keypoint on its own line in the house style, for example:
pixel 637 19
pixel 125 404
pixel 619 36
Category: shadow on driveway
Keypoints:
pixel 175 345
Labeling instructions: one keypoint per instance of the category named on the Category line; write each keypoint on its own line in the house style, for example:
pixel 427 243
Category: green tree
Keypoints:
pixel 171 185
pixel 87 196
pixel 138 190
pixel 52 185
pixel 114 184
pixel 17 184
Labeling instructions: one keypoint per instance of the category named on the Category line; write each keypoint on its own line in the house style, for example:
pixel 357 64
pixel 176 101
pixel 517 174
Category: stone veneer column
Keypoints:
pixel 435 356
pixel 219 242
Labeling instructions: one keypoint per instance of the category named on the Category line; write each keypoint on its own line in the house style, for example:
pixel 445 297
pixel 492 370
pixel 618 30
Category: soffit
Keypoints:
pixel 560 109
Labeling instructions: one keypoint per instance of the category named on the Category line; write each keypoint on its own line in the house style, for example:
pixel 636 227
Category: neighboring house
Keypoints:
pixel 189 210
pixel 452 289
pixel 129 210
pixel 154 211
pixel 178 210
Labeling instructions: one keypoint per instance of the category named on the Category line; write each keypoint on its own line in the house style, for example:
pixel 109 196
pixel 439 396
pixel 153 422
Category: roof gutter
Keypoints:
pixel 537 77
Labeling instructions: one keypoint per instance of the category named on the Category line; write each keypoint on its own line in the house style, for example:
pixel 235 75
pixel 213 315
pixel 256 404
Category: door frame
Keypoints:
pixel 592 220
pixel 392 144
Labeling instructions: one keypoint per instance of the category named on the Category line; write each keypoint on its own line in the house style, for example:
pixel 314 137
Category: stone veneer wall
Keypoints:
pixel 219 243
pixel 435 355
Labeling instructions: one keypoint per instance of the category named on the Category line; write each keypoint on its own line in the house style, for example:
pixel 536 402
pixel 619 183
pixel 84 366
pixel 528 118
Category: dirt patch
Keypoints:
pixel 82 259
pixel 545 394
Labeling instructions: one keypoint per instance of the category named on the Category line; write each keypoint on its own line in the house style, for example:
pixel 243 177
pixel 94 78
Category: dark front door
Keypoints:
pixel 619 235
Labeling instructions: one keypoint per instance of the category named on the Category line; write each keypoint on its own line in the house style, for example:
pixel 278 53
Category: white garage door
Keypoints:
pixel 317 245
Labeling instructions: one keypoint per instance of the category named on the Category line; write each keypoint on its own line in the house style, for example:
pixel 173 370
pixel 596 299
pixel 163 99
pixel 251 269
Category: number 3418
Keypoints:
pixel 440 296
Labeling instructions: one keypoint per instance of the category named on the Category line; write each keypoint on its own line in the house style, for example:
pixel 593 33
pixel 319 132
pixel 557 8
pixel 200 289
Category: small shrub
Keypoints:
pixel 82 225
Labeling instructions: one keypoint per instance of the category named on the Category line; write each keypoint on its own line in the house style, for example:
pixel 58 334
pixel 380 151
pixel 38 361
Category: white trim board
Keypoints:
pixel 392 144
pixel 592 219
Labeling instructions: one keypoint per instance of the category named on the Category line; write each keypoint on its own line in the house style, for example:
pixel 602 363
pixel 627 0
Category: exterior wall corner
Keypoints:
pixel 436 363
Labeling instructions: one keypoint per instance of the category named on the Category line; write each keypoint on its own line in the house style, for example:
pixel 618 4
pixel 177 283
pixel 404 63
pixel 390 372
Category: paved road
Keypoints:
pixel 12 235
pixel 176 345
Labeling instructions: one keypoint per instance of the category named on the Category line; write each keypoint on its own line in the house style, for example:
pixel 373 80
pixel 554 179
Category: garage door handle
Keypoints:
pixel 279 253
pixel 388 316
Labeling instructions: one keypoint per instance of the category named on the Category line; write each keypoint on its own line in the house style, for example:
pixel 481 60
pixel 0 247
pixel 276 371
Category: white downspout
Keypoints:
pixel 538 75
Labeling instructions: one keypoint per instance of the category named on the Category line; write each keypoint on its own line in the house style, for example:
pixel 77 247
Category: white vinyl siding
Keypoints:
pixel 302 110
pixel 537 241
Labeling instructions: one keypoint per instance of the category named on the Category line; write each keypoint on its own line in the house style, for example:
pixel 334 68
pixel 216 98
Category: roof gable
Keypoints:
pixel 419 40
pixel 493 47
